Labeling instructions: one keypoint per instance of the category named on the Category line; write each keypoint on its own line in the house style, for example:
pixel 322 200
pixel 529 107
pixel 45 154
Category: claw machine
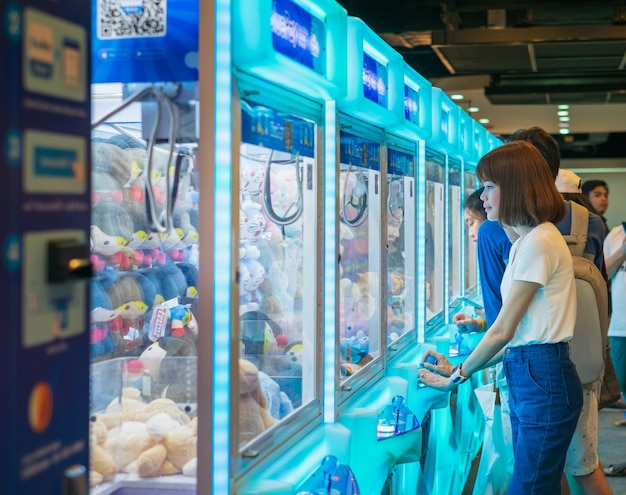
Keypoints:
pixel 288 71
pixel 376 303
pixel 45 246
pixel 144 248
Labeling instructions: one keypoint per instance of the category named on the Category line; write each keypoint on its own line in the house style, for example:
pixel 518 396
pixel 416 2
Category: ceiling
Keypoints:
pixel 516 61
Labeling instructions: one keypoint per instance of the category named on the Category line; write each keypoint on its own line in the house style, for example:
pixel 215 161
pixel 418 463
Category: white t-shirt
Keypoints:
pixel 542 257
pixel 612 244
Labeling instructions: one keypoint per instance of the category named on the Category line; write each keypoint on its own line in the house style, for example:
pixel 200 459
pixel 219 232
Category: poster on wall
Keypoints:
pixel 45 269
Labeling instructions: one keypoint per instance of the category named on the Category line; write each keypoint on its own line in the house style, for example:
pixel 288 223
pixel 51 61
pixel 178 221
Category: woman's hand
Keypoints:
pixel 440 365
pixel 435 381
pixel 464 321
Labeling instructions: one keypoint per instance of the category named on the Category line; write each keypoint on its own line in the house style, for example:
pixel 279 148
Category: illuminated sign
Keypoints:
pixel 298 35
pixel 411 105
pixel 374 80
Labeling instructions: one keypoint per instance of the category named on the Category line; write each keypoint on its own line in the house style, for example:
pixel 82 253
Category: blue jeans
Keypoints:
pixel 545 398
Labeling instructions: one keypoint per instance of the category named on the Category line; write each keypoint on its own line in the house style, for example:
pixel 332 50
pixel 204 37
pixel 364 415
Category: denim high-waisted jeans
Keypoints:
pixel 545 398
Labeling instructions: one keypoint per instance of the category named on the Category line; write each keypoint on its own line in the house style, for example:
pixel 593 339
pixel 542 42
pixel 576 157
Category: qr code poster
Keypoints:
pixel 131 18
pixel 137 41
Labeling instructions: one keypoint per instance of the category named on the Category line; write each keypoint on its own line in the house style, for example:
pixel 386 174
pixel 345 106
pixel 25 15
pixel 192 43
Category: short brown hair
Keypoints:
pixel 528 194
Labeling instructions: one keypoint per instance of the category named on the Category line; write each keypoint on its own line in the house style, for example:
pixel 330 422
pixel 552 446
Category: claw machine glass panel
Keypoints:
pixel 278 168
pixel 360 191
pixel 415 126
pixel 373 98
pixel 144 249
pixel 401 256
pixel 455 213
pixel 470 183
pixel 441 145
pixel 289 63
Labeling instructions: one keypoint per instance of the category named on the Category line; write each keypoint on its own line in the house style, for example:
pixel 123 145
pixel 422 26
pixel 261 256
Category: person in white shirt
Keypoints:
pixel 531 333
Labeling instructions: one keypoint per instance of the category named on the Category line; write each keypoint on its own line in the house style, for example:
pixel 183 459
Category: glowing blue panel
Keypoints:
pixel 298 44
pixel 375 77
pixel 445 115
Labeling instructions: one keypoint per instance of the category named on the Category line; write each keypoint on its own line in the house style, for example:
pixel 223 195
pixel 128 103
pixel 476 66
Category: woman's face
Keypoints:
pixel 491 199
pixel 599 198
pixel 473 221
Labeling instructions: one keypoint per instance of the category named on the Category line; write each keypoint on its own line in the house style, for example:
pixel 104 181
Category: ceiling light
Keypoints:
pixel 563 107
pixel 564 130
pixel 473 109
pixel 564 119
pixel 562 112
pixel 457 96
pixel 483 121
pixel 563 124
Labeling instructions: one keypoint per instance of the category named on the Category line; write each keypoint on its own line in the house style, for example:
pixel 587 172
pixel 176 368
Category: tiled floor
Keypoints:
pixel 612 446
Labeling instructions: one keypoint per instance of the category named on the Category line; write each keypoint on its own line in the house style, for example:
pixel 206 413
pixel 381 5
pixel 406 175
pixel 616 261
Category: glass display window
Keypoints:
pixel 435 232
pixel 360 254
pixel 144 251
pixel 277 203
pixel 469 252
pixel 400 261
pixel 455 240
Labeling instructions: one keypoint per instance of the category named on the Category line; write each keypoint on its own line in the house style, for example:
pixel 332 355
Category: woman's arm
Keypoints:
pixel 615 260
pixel 499 334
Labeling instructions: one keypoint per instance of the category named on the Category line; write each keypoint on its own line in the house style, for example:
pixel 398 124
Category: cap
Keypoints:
pixel 568 182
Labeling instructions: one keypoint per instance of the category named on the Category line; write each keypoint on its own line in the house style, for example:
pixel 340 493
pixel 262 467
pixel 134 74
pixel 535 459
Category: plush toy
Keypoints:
pixel 146 439
pixel 161 364
pixel 278 403
pixel 254 417
pixel 252 274
pixel 104 344
pixel 182 322
pixel 102 466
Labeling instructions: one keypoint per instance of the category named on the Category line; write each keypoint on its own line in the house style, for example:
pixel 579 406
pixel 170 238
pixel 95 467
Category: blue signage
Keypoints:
pixel 400 163
pixel 411 105
pixel 277 130
pixel 138 41
pixel 445 122
pixel 375 80
pixel 354 150
pixel 298 35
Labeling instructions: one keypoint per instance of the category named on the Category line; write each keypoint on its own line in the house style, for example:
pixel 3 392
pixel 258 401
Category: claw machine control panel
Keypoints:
pixel 45 267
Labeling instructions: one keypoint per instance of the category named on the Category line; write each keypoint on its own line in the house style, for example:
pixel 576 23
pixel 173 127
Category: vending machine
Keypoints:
pixel 44 235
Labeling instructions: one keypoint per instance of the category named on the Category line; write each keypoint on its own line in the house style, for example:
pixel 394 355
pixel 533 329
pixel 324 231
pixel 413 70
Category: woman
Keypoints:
pixel 531 333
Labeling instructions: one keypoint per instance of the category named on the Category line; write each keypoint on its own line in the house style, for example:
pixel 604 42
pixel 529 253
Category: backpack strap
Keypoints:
pixel 577 238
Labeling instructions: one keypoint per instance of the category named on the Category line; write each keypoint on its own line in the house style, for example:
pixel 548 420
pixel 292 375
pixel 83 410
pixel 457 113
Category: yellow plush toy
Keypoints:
pixel 254 418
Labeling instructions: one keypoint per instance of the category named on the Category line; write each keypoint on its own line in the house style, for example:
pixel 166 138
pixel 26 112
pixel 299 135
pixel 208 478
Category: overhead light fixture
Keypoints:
pixel 564 107
pixel 473 109
pixel 563 124
pixel 562 113
pixel 457 96
pixel 564 130
pixel 483 121
pixel 564 119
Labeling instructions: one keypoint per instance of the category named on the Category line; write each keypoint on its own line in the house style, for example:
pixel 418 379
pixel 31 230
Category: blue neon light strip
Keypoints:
pixel 330 260
pixel 222 249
